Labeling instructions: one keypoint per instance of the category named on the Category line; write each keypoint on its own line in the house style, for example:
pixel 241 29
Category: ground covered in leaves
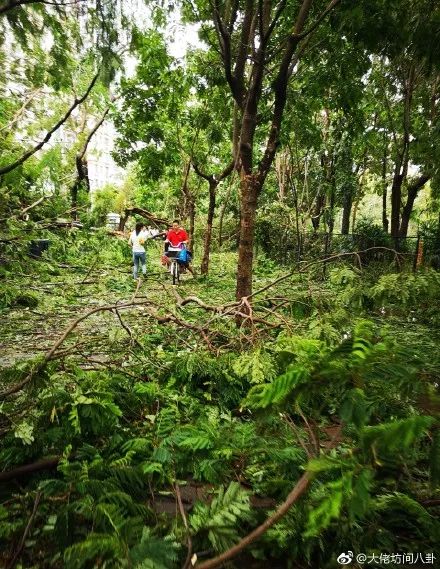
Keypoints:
pixel 146 425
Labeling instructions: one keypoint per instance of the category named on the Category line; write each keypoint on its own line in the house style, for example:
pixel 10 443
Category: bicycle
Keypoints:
pixel 175 265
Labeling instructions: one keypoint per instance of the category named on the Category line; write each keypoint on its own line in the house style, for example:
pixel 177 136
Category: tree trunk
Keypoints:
pixel 189 206
pixel 316 218
pixel 413 190
pixel 401 166
pixel 396 193
pixel 208 231
pixel 249 198
pixel 346 212
pixel 82 181
pixel 355 210
pixel 331 216
pixel 385 221
pixel 192 216
pixel 222 214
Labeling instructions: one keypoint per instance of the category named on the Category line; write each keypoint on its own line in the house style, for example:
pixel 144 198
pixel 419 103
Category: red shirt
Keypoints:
pixel 177 237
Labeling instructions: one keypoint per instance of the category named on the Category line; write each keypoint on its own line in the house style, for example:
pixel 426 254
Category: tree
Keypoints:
pixel 213 182
pixel 257 43
pixel 171 118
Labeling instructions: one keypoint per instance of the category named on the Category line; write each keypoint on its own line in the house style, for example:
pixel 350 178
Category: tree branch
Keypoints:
pixel 32 151
pixel 43 464
pixel 185 523
pixel 276 17
pixel 21 110
pixel 92 133
pixel 281 81
pixel 28 527
pixel 313 27
pixel 40 365
pixel 242 53
pixel 11 4
pixel 299 489
pixel 207 177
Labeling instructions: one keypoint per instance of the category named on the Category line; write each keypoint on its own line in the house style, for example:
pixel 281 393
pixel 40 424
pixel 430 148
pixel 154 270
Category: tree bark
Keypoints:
pixel 319 206
pixel 346 212
pixel 82 180
pixel 82 170
pixel 402 160
pixel 413 190
pixel 385 221
pixel 213 182
pixel 222 214
pixel 208 231
pixel 192 217
pixel 396 193
pixel 189 205
pixel 43 464
pixel 249 189
pixel 256 25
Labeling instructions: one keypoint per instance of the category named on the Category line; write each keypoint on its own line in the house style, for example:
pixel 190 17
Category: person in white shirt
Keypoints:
pixel 137 240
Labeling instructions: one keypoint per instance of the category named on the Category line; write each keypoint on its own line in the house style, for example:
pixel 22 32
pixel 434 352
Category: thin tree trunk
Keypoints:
pixel 222 213
pixel 401 165
pixel 189 208
pixel 355 209
pixel 208 231
pixel 192 217
pixel 82 170
pixel 396 193
pixel 385 221
pixel 413 190
pixel 346 212
pixel 331 217
pixel 249 198
pixel 317 213
pixel 298 233
pixel 82 181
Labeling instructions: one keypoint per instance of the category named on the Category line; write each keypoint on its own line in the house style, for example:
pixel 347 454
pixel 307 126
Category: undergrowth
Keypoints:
pixel 345 388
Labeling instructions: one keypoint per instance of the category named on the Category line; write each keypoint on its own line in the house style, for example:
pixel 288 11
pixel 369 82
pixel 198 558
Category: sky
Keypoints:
pixel 183 37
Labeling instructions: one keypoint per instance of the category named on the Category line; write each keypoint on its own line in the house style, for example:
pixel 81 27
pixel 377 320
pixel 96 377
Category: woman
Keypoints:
pixel 137 240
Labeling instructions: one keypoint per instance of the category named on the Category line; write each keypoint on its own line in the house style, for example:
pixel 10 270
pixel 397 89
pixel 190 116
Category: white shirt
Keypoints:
pixel 135 240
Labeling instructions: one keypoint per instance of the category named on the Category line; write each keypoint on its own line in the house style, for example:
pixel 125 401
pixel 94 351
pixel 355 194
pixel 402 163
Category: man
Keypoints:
pixel 177 236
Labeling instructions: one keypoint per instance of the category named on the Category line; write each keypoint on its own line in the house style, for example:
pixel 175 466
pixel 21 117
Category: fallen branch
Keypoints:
pixel 320 261
pixel 185 523
pixel 25 210
pixel 28 527
pixel 158 221
pixel 128 330
pixel 19 386
pixel 43 464
pixel 299 489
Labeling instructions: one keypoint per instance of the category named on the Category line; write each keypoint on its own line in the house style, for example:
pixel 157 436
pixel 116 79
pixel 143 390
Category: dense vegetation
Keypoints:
pixel 280 408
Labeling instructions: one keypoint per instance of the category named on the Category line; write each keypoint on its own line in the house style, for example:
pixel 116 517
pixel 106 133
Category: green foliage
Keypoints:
pixel 342 383
pixel 220 519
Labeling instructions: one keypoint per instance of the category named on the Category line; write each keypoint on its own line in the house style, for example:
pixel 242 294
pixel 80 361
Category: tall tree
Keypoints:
pixel 257 43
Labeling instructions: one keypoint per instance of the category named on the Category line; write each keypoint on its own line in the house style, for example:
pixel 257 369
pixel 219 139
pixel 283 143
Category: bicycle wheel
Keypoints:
pixel 175 273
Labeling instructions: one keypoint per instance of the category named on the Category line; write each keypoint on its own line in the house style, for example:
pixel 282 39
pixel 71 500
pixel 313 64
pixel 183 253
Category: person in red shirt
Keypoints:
pixel 176 236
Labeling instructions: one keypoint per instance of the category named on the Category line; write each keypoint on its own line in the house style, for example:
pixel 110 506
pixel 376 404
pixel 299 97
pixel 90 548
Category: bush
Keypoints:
pixel 368 235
